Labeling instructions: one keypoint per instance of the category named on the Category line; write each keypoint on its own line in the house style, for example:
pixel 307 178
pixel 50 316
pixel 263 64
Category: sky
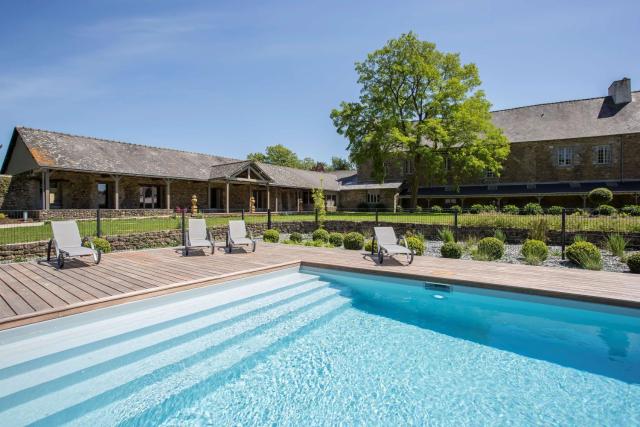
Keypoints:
pixel 232 77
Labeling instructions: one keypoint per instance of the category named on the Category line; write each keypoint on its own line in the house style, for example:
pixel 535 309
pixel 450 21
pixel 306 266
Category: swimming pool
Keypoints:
pixel 317 347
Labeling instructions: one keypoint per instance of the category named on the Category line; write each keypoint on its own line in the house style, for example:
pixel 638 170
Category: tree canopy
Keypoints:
pixel 282 156
pixel 423 105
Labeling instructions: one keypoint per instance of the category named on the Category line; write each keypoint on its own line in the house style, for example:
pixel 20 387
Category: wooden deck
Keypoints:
pixel 35 291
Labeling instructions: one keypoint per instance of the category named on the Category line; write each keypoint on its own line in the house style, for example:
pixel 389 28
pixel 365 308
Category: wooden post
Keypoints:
pixel 208 194
pixel 45 189
pixel 268 198
pixel 168 193
pixel 116 191
pixel 226 195
pixel 277 194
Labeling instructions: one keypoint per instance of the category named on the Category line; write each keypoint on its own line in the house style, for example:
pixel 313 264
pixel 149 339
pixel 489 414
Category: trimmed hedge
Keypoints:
pixel 491 247
pixel 535 248
pixel 584 254
pixel 271 236
pixel 632 210
pixel 451 250
pixel 416 244
pixel 321 234
pixel 353 241
pixel 295 237
pixel 600 196
pixel 633 262
pixel 555 210
pixel 511 209
pixel 478 208
pixel 436 209
pixel 100 244
pixel 367 246
pixel 455 208
pixel 606 210
pixel 532 209
pixel 336 239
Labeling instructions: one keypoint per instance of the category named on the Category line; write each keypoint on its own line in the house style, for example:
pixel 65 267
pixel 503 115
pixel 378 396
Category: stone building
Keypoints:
pixel 559 152
pixel 52 170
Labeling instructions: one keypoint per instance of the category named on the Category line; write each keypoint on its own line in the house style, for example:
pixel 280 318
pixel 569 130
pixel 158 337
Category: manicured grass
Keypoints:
pixel 112 227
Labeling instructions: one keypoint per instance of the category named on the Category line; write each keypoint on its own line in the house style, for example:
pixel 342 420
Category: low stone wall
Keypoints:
pixel 44 215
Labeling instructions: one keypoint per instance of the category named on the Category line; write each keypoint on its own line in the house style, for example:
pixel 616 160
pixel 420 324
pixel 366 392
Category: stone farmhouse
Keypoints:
pixel 559 152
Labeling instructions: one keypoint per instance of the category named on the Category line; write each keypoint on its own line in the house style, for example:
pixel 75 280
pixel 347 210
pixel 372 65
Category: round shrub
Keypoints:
pixel 555 210
pixel 511 209
pixel 532 209
pixel 100 244
pixel 600 196
pixel 321 235
pixel 535 249
pixel 353 241
pixel 271 236
pixel 418 209
pixel 633 262
pixel 436 209
pixel 455 208
pixel 476 208
pixel 451 250
pixel 488 208
pixel 367 246
pixel 583 254
pixel 416 244
pixel 295 237
pixel 335 239
pixel 632 210
pixel 606 210
pixel 491 248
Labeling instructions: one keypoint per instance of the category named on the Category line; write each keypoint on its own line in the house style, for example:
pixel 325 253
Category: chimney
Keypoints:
pixel 620 91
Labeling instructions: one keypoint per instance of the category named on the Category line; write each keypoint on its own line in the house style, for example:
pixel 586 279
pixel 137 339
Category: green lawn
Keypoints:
pixel 139 225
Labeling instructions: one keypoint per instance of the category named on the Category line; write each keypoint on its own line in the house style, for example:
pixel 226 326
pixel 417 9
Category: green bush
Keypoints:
pixel 633 262
pixel 295 237
pixel 632 210
pixel 616 244
pixel 555 210
pixel 336 239
pixel 271 236
pixel 353 241
pixel 538 229
pixel 535 249
pixel 490 248
pixel 451 250
pixel 511 209
pixel 418 209
pixel 476 208
pixel 600 196
pixel 416 244
pixel 436 209
pixel 315 243
pixel 367 246
pixel 606 210
pixel 532 209
pixel 320 235
pixel 446 235
pixel 585 254
pixel 99 243
pixel 455 208
pixel 499 234
pixel 2 216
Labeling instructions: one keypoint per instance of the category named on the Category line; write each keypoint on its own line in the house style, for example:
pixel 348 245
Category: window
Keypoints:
pixel 103 195
pixel 565 156
pixel 407 167
pixel 149 197
pixel 488 173
pixel 602 155
pixel 373 198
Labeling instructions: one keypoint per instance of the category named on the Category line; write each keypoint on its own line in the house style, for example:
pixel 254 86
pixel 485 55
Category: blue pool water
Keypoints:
pixel 316 347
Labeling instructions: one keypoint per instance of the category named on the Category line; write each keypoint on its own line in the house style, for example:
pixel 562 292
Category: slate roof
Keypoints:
pixel 561 188
pixel 570 119
pixel 58 150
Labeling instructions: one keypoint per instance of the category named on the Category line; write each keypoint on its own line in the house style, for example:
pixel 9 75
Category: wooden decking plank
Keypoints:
pixel 35 302
pixel 111 280
pixel 146 268
pixel 176 271
pixel 94 281
pixel 77 288
pixel 5 308
pixel 43 292
pixel 58 288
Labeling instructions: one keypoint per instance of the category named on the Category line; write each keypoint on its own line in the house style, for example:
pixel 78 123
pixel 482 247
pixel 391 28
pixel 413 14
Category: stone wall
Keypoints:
pixel 19 192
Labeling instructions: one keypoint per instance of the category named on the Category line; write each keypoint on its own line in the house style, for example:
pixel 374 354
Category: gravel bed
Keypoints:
pixel 512 256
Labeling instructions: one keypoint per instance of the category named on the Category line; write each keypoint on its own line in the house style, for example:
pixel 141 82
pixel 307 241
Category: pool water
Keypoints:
pixel 320 347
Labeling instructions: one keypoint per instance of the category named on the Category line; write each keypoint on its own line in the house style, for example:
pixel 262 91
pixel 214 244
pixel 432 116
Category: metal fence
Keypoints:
pixel 32 226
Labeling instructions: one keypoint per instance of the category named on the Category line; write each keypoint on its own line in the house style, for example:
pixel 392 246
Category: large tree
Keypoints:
pixel 420 104
pixel 340 164
pixel 277 155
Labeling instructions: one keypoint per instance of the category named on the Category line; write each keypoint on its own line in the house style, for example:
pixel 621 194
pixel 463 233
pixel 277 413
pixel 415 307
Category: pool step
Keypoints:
pixel 126 372
pixel 22 345
pixel 156 338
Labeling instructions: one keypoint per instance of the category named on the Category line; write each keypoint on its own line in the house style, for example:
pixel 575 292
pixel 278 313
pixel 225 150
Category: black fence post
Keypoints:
pixel 184 231
pixel 377 222
pixel 243 214
pixel 563 236
pixel 455 225
pixel 316 218
pixel 268 219
pixel 98 224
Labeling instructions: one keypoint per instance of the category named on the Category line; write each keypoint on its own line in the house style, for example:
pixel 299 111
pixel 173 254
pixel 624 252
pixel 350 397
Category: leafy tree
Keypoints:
pixel 340 164
pixel 421 104
pixel 319 204
pixel 257 157
pixel 307 163
pixel 277 155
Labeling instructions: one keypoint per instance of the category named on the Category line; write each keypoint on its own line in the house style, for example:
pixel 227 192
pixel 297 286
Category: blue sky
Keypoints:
pixel 231 77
